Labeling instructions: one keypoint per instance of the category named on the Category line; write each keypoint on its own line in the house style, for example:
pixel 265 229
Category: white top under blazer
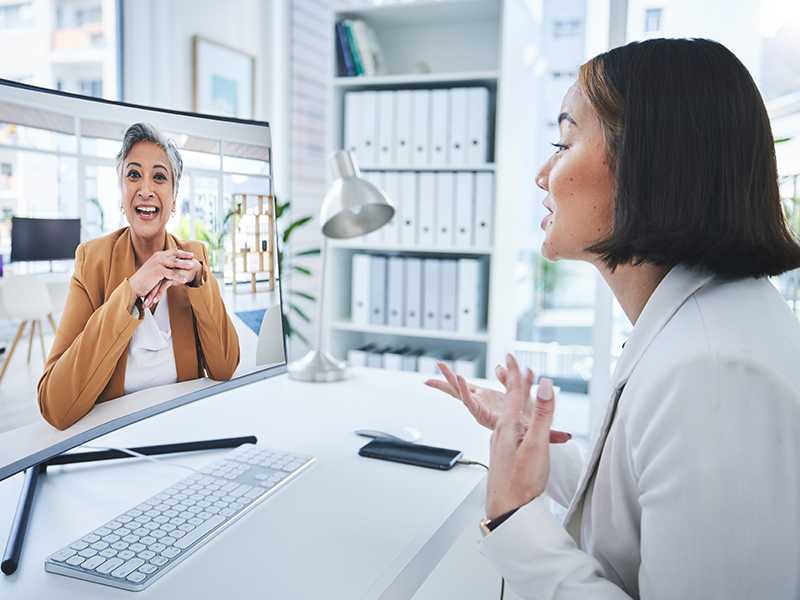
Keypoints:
pixel 691 485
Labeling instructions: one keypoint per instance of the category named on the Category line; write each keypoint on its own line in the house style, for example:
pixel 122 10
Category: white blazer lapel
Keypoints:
pixel 677 287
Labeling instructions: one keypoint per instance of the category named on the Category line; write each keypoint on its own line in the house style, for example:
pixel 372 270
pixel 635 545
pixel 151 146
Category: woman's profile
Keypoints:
pixel 143 308
pixel 664 178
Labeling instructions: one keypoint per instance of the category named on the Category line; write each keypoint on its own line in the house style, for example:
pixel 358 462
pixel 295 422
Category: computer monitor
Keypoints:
pixel 60 149
pixel 44 239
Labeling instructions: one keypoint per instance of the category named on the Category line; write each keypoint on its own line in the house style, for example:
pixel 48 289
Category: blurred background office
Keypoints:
pixel 558 318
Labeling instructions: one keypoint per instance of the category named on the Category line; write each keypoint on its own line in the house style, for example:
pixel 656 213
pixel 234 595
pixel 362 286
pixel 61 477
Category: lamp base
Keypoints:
pixel 319 365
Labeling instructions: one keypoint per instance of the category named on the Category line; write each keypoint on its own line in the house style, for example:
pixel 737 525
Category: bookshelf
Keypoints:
pixel 444 46
pixel 253 238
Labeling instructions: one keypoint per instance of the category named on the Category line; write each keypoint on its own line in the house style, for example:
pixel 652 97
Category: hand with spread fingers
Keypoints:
pixel 162 270
pixel 485 404
pixel 520 445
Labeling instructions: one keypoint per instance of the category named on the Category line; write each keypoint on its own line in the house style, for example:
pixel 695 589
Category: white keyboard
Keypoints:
pixel 140 545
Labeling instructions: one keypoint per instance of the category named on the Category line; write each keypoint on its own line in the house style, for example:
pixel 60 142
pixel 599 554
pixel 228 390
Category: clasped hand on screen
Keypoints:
pixel 161 271
pixel 521 434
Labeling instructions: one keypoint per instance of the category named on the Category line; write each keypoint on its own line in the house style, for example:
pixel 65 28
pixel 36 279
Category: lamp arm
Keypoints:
pixel 320 307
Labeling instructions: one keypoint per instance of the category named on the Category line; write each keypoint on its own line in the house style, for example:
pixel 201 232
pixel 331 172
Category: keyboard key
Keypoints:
pixel 199 532
pixel 93 562
pixel 127 568
pixel 75 560
pixel 136 577
pixel 109 565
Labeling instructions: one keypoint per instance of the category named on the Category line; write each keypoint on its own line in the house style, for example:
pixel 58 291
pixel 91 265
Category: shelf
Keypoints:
pixel 432 334
pixel 424 13
pixel 422 80
pixel 406 250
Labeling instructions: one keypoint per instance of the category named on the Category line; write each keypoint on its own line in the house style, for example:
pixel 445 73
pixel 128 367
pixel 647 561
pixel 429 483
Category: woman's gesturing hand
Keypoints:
pixel 485 404
pixel 162 270
pixel 520 445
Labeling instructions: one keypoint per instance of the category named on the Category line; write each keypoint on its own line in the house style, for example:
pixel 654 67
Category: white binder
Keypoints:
pixel 458 126
pixel 377 296
pixel 466 365
pixel 391 185
pixel 413 293
pixel 426 206
pixel 360 289
pixel 403 132
pixel 374 238
pixel 393 358
pixel 410 360
pixel 386 128
pixel 439 120
pixel 484 208
pixel 470 296
pixel 420 139
pixel 447 294
pixel 367 153
pixel 408 207
pixel 357 357
pixel 477 125
pixel 464 210
pixel 375 357
pixel 444 237
pixel 430 293
pixel 395 292
pixel 352 123
pixel 426 363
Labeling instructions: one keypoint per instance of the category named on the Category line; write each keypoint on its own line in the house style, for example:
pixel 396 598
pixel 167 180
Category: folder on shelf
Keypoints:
pixel 448 269
pixel 386 129
pixel 464 195
pixel 395 292
pixel 410 360
pixel 375 357
pixel 426 363
pixel 367 153
pixel 420 140
pixel 470 296
pixel 484 208
pixel 458 126
pixel 426 207
pixel 439 121
pixel 444 209
pixel 374 238
pixel 430 293
pixel 391 185
pixel 357 357
pixel 377 296
pixel 477 125
pixel 413 293
pixel 352 122
pixel 408 207
pixel 360 289
pixel 466 365
pixel 393 358
pixel 403 117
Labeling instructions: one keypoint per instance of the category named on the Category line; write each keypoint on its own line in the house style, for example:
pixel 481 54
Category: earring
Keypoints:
pixel 121 209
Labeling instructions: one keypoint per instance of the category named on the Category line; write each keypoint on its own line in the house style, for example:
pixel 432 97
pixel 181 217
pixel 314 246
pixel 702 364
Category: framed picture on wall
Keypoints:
pixel 224 80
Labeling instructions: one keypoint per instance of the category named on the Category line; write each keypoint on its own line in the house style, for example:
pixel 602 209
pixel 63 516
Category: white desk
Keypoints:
pixel 350 527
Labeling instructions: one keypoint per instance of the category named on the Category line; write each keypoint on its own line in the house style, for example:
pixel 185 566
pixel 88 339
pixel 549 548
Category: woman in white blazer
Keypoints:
pixel 665 179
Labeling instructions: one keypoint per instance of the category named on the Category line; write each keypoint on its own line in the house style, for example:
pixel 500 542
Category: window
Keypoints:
pixel 566 28
pixel 16 16
pixel 92 87
pixel 652 20
pixel 88 15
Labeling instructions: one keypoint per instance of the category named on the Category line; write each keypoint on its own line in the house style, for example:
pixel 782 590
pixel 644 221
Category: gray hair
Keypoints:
pixel 145 132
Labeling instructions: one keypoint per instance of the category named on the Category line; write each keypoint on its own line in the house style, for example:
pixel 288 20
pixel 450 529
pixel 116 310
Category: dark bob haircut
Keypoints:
pixel 690 143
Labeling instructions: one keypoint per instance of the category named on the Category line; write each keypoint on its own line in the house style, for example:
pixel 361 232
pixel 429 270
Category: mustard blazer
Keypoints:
pixel 87 362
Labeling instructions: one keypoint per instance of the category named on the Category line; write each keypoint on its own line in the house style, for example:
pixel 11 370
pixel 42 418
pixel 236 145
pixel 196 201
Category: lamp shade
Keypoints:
pixel 352 206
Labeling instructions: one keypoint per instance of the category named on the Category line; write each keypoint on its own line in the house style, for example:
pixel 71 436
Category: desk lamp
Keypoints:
pixel 352 207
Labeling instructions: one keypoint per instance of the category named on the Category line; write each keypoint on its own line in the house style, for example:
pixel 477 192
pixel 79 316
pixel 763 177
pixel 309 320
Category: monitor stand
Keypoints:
pixel 20 524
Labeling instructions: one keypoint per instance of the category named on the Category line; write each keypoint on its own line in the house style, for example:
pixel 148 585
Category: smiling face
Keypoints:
pixel 579 184
pixel 147 192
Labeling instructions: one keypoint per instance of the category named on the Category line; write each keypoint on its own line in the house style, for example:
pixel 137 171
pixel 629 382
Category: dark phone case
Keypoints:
pixel 411 454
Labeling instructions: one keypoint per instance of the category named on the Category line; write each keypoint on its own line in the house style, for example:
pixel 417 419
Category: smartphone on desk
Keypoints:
pixel 412 454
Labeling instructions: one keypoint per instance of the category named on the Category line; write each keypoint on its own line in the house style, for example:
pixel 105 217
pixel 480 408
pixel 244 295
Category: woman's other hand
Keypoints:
pixel 520 445
pixel 161 271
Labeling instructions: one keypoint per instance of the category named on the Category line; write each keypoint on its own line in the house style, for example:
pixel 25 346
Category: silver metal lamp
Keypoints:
pixel 351 208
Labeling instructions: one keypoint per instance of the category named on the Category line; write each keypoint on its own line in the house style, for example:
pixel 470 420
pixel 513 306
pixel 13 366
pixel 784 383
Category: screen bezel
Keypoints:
pixel 27 222
pixel 30 445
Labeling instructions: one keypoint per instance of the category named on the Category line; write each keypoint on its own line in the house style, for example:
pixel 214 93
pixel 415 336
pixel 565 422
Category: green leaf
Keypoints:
pixel 308 297
pixel 294 225
pixel 299 269
pixel 312 252
pixel 303 315
pixel 782 140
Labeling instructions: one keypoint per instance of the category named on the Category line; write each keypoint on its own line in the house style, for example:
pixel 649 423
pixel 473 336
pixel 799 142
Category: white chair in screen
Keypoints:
pixel 270 337
pixel 26 297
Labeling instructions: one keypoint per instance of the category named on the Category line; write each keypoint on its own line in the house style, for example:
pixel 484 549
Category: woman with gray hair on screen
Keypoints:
pixel 143 308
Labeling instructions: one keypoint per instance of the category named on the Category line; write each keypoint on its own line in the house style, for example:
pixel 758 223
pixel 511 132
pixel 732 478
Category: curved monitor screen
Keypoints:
pixel 57 151
pixel 44 239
